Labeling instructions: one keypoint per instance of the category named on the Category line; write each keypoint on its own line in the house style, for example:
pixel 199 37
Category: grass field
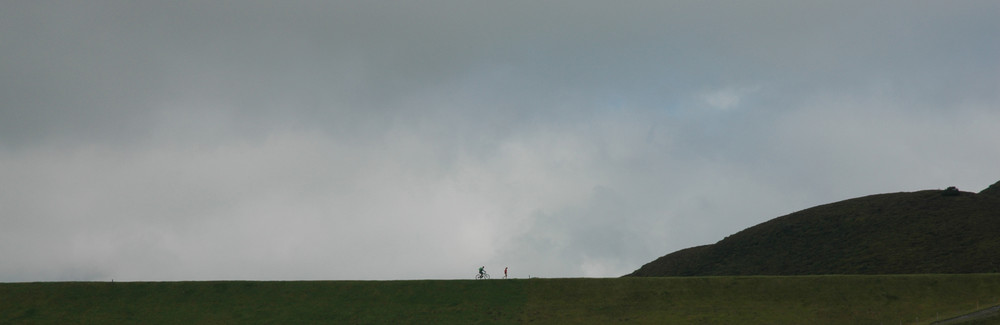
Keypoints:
pixel 906 299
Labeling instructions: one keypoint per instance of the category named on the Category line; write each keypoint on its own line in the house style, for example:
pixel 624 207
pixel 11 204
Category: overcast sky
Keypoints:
pixel 287 140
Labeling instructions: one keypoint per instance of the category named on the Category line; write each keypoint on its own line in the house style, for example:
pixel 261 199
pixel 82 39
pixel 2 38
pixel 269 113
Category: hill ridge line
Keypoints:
pixel 926 231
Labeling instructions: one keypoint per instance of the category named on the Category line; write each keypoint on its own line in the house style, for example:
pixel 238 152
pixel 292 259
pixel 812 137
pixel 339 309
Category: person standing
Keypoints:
pixel 504 272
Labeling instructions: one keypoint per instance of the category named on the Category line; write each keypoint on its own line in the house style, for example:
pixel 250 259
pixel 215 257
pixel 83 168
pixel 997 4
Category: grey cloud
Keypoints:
pixel 254 139
pixel 601 234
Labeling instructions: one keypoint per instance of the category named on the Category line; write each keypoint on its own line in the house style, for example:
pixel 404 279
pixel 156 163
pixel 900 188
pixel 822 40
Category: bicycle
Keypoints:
pixel 482 276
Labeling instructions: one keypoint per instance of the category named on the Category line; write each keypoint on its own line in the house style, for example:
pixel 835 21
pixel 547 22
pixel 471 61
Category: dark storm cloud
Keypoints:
pixel 357 140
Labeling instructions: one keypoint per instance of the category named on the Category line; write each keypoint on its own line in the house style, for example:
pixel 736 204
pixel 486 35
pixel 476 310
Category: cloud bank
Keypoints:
pixel 318 140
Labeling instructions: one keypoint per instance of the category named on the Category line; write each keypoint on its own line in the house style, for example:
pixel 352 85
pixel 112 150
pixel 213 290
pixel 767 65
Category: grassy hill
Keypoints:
pixel 906 299
pixel 932 231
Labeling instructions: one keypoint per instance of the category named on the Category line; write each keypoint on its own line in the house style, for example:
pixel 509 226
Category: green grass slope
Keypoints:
pixel 907 299
pixel 921 232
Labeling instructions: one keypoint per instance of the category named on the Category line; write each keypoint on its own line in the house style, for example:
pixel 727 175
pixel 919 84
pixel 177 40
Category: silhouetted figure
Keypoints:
pixel 482 273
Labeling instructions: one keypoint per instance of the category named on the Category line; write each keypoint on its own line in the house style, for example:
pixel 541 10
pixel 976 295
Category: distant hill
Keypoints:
pixel 932 231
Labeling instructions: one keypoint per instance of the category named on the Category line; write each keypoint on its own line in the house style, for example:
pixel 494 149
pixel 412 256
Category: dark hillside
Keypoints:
pixel 932 231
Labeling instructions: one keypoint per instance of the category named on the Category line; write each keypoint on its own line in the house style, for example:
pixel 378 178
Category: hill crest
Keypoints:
pixel 930 231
